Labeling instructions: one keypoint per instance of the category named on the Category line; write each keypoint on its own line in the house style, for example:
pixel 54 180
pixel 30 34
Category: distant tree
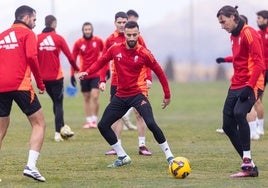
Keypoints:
pixel 169 69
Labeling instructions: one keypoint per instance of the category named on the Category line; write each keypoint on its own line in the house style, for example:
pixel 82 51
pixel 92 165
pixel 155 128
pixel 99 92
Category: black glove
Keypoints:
pixel 73 81
pixel 220 60
pixel 246 93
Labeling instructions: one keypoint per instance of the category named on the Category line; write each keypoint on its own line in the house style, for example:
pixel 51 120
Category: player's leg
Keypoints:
pixel 260 116
pixel 85 89
pixel 240 112
pixel 30 105
pixel 4 123
pixel 113 112
pixel 5 108
pixel 55 91
pixel 126 120
pixel 94 107
pixel 143 106
pixel 143 150
pixel 252 121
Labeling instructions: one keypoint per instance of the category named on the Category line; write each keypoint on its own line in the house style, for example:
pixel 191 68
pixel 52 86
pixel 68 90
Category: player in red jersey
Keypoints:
pixel 18 54
pixel 50 44
pixel 262 22
pixel 248 69
pixel 89 48
pixel 129 58
pixel 118 37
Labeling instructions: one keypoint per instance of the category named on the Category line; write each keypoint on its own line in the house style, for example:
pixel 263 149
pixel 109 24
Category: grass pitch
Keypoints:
pixel 189 124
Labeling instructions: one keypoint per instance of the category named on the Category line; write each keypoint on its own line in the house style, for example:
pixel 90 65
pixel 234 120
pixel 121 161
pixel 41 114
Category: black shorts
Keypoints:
pixel 26 100
pixel 88 84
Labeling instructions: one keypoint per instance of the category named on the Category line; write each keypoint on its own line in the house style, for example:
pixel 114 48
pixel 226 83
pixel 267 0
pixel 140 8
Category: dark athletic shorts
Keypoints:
pixel 26 100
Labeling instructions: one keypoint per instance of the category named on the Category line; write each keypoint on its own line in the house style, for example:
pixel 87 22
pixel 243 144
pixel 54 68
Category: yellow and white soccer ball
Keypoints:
pixel 66 132
pixel 180 167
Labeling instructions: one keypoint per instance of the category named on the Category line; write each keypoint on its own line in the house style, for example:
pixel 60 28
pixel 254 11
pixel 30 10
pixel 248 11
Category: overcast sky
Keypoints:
pixel 73 13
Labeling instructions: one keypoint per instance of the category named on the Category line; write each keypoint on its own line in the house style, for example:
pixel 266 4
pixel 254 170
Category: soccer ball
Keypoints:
pixel 180 167
pixel 66 132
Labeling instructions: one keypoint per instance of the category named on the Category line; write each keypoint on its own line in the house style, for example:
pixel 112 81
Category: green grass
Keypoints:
pixel 189 124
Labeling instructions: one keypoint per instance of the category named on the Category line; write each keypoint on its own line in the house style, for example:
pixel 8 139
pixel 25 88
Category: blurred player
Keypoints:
pixel 88 49
pixel 50 44
pixel 262 22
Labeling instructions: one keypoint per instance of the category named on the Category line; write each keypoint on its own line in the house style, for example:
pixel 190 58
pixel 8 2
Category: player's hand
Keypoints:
pixel 102 86
pixel 165 103
pixel 220 60
pixel 149 83
pixel 82 75
pixel 246 93
pixel 73 81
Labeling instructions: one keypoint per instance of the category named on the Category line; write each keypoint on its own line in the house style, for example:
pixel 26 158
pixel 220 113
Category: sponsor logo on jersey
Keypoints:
pixel 47 44
pixel 9 42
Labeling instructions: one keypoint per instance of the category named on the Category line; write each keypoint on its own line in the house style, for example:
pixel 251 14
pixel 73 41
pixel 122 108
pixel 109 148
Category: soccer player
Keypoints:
pixel 129 58
pixel 89 48
pixel 18 54
pixel 262 22
pixel 121 19
pixel 50 44
pixel 248 69
pixel 256 112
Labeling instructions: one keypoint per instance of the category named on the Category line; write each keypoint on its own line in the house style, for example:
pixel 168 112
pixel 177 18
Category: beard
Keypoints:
pixel 131 43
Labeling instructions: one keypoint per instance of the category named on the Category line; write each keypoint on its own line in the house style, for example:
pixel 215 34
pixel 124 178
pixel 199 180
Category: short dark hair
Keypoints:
pixel 49 19
pixel 132 13
pixel 85 24
pixel 131 25
pixel 229 11
pixel 23 11
pixel 263 13
pixel 120 14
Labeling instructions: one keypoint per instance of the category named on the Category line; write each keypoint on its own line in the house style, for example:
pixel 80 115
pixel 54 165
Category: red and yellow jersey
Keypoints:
pixel 248 60
pixel 264 37
pixel 50 44
pixel 129 64
pixel 88 52
pixel 18 58
pixel 116 38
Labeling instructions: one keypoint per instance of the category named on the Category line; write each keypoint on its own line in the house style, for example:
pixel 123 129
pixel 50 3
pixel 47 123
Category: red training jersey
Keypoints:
pixel 88 51
pixel 264 37
pixel 115 38
pixel 50 44
pixel 128 65
pixel 248 61
pixel 18 58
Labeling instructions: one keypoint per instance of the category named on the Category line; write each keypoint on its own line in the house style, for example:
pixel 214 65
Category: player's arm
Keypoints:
pixel 65 49
pixel 154 65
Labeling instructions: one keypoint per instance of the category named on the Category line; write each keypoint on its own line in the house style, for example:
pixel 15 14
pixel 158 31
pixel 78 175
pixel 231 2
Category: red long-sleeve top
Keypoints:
pixel 128 65
pixel 248 61
pixel 115 38
pixel 18 58
pixel 50 44
pixel 264 37
pixel 88 51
